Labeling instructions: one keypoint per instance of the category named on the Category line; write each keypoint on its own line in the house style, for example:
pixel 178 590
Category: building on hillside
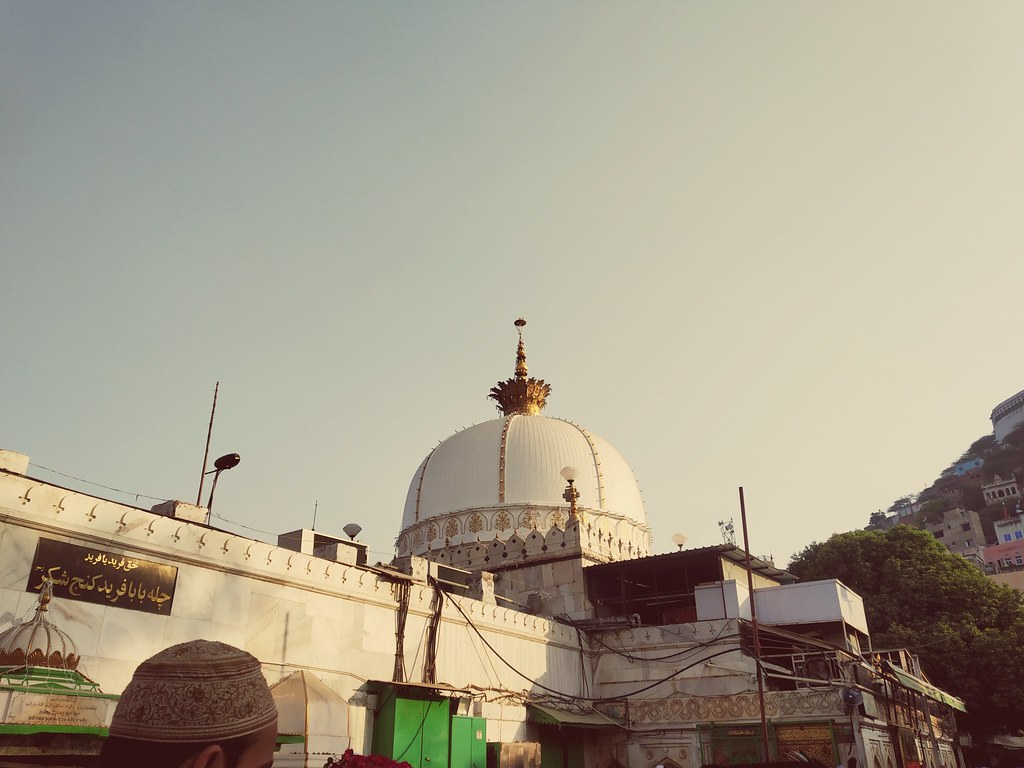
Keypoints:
pixel 970 468
pixel 998 491
pixel 1004 560
pixel 960 530
pixel 1007 416
pixel 1010 529
pixel 523 621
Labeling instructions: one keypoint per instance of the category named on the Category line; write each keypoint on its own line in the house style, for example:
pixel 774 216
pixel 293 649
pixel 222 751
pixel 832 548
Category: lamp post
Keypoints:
pixel 227 461
pixel 571 492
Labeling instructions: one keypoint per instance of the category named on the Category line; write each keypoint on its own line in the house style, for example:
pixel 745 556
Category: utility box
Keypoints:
pixel 412 730
pixel 469 742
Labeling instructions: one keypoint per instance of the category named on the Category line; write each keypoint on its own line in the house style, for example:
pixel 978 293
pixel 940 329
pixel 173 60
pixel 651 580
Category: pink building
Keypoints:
pixel 1007 554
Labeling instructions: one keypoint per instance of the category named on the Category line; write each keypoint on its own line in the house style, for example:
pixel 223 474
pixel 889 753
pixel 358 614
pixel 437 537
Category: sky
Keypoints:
pixel 768 245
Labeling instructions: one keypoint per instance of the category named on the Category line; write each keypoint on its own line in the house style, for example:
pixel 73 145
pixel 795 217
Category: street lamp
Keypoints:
pixel 227 461
pixel 571 493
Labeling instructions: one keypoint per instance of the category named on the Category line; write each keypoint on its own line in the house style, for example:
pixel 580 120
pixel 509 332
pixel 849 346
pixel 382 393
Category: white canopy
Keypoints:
pixel 307 707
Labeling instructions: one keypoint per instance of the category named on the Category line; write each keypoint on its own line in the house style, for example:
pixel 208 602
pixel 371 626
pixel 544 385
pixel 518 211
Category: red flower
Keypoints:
pixel 351 760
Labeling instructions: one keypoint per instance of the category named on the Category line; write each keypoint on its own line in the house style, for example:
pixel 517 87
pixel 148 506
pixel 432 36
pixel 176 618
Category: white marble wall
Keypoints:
pixel 656 653
pixel 290 610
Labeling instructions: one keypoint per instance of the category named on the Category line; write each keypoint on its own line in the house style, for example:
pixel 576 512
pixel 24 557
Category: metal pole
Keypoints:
pixel 753 626
pixel 206 454
pixel 209 504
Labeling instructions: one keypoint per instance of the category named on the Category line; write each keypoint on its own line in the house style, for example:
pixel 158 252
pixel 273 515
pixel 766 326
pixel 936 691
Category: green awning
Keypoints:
pixel 922 686
pixel 1008 742
pixel 562 717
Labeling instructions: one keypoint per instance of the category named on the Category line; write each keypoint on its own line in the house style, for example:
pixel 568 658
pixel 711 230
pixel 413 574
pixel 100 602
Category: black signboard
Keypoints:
pixel 95 576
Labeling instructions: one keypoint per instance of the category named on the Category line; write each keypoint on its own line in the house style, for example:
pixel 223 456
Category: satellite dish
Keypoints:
pixel 851 696
pixel 679 539
pixel 352 530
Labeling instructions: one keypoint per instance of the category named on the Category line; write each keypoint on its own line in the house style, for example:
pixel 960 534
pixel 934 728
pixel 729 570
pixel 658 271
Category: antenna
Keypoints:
pixel 206 454
pixel 728 531
pixel 315 504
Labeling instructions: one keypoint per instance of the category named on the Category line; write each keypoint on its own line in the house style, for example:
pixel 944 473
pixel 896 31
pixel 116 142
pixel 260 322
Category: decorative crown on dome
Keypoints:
pixel 520 394
pixel 37 642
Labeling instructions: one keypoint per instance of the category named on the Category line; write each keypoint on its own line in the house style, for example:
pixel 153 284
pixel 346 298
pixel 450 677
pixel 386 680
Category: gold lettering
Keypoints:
pixel 77 584
pixel 120 591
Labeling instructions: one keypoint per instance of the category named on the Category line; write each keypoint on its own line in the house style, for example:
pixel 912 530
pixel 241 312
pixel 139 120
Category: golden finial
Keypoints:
pixel 520 351
pixel 520 394
pixel 45 594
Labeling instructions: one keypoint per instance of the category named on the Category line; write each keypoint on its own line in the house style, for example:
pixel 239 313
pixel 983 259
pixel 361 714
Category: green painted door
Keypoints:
pixel 435 733
pixel 414 731
pixel 469 742
pixel 561 747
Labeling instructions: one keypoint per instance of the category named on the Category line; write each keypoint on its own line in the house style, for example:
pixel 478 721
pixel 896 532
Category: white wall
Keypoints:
pixel 290 610
pixel 802 603
pixel 811 602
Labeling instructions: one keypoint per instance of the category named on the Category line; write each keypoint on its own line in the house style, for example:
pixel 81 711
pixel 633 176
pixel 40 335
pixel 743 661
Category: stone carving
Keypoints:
pixel 743 706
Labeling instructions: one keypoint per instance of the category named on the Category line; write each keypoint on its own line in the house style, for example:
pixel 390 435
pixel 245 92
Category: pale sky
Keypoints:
pixel 774 245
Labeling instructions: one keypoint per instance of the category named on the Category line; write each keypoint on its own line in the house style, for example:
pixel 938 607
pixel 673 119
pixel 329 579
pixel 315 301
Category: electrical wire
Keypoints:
pixel 434 622
pixel 595 699
pixel 98 485
pixel 632 658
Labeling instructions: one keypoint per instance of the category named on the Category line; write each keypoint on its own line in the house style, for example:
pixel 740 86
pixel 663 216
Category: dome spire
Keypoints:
pixel 520 394
pixel 37 642
pixel 521 368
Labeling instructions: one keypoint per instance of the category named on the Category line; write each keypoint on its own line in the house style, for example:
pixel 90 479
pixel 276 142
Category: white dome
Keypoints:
pixel 516 461
pixel 37 642
pixel 499 484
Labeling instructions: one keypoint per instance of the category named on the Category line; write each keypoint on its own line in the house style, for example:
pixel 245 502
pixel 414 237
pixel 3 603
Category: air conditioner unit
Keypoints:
pixel 523 754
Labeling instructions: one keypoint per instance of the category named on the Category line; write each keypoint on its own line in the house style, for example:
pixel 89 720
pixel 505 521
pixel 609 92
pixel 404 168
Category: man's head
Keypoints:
pixel 200 704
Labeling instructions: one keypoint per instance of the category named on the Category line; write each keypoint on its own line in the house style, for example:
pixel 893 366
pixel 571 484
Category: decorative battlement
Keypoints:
pixel 481 539
pixel 999 489
pixel 997 481
pixel 52 511
pixel 1007 416
pixel 1008 406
